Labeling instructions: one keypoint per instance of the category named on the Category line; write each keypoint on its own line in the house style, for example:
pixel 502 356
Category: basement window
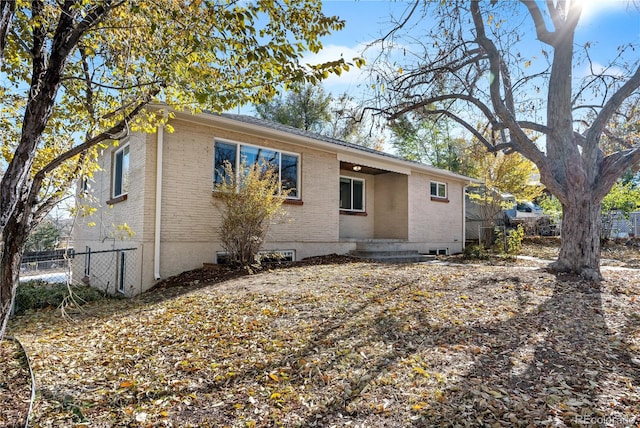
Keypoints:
pixel 267 256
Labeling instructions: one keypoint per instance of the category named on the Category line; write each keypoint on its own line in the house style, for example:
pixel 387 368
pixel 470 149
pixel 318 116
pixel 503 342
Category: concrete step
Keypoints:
pixel 418 258
pixel 369 254
pixel 381 245
pixel 389 255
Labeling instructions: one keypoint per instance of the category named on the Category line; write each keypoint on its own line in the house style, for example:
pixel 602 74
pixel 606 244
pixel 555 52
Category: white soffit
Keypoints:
pixel 365 161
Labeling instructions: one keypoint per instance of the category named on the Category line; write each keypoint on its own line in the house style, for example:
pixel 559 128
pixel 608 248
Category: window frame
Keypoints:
pixel 437 194
pixel 238 154
pixel 364 193
pixel 114 171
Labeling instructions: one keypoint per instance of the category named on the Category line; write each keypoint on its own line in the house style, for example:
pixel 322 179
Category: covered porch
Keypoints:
pixel 374 203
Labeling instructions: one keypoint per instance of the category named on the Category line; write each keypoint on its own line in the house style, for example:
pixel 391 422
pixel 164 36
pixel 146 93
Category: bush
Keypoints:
pixel 251 200
pixel 40 294
pixel 476 251
pixel 510 245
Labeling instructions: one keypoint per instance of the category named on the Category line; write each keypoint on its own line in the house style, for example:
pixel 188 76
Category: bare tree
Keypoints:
pixel 508 89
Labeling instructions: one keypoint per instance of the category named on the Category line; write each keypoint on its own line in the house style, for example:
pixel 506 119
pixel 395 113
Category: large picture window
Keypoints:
pixel 120 172
pixel 287 165
pixel 351 194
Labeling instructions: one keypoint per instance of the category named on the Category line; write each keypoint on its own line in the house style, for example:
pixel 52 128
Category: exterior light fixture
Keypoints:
pixel 357 167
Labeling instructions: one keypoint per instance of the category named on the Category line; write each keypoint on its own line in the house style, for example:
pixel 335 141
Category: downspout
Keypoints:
pixel 464 215
pixel 158 223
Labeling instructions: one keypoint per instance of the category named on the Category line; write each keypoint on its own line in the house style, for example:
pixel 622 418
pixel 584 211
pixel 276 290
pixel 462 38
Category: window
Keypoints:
pixel 121 172
pixel 439 252
pixel 286 164
pixel 351 194
pixel 438 190
pixel 268 256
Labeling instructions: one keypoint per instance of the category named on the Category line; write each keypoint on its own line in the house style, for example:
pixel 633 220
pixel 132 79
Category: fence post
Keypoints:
pixel 87 261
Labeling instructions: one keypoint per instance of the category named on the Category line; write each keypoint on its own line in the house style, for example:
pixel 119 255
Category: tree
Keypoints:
pixel 507 173
pixel 305 107
pixel 251 200
pixel 43 237
pixel 427 139
pixel 78 74
pixel 308 107
pixel 479 67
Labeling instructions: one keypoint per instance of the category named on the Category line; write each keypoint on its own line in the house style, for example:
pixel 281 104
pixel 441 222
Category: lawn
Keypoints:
pixel 348 344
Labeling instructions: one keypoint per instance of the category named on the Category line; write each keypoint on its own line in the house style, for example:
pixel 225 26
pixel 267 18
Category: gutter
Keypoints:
pixel 158 222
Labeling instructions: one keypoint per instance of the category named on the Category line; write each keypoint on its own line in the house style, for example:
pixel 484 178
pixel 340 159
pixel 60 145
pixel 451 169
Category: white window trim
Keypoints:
pixel 439 183
pixel 364 194
pixel 114 169
pixel 236 166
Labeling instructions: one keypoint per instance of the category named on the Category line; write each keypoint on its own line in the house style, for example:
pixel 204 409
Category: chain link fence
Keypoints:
pixel 616 225
pixel 110 271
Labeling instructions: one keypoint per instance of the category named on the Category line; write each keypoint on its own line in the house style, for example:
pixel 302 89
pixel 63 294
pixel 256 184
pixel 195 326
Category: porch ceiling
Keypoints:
pixel 349 166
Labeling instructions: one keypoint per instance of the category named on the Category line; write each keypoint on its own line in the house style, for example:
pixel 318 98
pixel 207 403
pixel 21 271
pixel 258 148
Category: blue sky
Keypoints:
pixel 605 23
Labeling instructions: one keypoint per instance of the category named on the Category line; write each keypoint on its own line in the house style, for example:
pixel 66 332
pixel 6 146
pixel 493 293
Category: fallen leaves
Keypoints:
pixel 358 343
pixel 15 392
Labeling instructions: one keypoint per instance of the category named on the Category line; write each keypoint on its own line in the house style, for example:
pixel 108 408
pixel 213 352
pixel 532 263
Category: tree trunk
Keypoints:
pixel 13 238
pixel 580 246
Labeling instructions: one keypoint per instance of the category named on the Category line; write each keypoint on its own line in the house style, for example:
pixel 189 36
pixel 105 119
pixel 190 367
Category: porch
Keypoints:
pixel 374 203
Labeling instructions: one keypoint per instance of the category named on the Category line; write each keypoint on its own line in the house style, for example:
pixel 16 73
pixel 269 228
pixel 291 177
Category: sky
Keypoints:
pixel 605 23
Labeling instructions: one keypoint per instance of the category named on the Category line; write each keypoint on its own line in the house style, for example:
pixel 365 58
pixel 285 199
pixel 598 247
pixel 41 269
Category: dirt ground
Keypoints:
pixel 339 342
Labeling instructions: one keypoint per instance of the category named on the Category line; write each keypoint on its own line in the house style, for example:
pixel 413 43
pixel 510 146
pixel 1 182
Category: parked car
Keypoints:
pixel 528 209
pixel 532 217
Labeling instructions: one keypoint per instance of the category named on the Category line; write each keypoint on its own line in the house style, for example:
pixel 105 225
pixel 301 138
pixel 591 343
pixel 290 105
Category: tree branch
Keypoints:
pixel 7 9
pixel 47 205
pixel 491 147
pixel 543 34
pixel 105 135
pixel 36 184
pixel 486 111
pixel 612 105
pixel 521 142
pixel 610 169
pixel 401 24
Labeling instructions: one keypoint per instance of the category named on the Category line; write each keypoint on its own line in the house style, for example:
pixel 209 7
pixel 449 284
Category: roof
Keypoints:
pixel 303 133
pixel 280 128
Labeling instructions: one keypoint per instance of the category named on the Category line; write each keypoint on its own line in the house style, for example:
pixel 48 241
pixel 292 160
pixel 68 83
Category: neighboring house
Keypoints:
pixel 161 186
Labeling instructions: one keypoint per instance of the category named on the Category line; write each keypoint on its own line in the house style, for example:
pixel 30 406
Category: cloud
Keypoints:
pixel 331 52
pixel 592 10
pixel 597 68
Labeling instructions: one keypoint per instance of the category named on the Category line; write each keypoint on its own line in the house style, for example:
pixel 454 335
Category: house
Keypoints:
pixel 155 205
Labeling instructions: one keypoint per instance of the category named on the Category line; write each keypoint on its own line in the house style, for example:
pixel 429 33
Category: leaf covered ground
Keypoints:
pixel 15 384
pixel 348 344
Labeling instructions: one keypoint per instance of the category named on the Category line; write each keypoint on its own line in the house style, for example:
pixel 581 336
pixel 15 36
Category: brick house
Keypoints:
pixel 161 186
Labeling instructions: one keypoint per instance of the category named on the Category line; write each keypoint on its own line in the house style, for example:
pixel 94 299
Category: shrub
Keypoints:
pixel 40 294
pixel 475 251
pixel 511 244
pixel 251 201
